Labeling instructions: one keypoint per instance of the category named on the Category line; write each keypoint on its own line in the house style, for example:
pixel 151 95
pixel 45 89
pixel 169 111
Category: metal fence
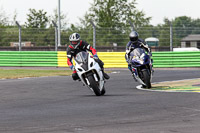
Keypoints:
pixel 110 37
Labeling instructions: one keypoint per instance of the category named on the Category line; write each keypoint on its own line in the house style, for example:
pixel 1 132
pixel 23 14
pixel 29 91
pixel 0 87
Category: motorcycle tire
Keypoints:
pixel 94 85
pixel 146 77
pixel 103 91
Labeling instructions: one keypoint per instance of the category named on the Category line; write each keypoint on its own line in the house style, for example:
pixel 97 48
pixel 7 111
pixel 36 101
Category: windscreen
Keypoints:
pixel 137 52
pixel 81 57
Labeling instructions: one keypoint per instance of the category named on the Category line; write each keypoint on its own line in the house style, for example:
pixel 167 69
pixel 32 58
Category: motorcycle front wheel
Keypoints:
pixel 103 91
pixel 146 77
pixel 94 85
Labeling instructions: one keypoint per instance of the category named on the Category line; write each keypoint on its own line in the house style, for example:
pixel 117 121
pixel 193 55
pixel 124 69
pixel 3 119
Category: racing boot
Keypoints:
pixel 75 76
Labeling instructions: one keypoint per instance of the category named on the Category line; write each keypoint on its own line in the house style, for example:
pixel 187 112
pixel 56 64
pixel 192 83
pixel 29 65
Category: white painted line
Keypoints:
pixel 116 72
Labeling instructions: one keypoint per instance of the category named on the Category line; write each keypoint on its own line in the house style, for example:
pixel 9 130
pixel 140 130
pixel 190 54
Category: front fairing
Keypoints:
pixel 140 61
pixel 139 57
pixel 85 63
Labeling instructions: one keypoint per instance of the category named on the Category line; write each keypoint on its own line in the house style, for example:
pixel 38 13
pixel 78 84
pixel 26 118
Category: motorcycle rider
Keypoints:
pixel 135 42
pixel 77 45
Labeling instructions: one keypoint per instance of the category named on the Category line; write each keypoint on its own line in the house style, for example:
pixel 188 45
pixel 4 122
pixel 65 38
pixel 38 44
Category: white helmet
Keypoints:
pixel 74 40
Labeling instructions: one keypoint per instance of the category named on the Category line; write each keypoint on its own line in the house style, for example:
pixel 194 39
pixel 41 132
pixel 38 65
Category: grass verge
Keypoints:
pixel 22 73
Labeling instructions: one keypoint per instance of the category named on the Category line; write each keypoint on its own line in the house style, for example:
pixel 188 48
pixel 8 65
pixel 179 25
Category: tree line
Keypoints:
pixel 112 19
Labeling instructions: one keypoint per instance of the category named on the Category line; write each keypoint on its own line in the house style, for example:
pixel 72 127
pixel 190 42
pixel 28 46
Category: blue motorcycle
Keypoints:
pixel 141 66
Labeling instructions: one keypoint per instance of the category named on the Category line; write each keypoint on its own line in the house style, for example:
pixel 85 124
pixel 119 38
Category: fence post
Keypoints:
pixel 59 25
pixel 20 42
pixel 171 36
pixel 56 35
pixel 94 34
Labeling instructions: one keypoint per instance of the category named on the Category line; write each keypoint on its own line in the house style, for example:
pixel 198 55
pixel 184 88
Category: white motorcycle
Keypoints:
pixel 90 73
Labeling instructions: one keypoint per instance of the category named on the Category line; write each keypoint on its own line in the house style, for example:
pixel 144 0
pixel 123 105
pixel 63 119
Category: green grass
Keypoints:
pixel 22 73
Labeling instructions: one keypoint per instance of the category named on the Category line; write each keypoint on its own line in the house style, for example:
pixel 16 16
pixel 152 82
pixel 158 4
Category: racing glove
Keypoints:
pixel 72 67
pixel 95 56
pixel 150 54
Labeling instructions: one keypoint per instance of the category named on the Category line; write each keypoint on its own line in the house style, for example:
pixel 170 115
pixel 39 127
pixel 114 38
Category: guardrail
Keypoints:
pixel 110 59
pixel 28 58
pixel 176 59
pixel 160 59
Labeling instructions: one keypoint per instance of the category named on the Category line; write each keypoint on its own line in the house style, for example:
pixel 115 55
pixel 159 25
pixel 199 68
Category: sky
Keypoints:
pixel 75 9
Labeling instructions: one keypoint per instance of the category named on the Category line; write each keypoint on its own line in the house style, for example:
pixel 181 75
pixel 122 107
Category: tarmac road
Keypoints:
pixel 60 105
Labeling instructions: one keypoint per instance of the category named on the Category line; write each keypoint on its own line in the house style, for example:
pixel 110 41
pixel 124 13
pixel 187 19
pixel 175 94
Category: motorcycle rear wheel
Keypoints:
pixel 94 85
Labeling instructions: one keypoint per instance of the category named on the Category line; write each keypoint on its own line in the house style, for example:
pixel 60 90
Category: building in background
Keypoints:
pixel 192 40
pixel 152 41
pixel 24 44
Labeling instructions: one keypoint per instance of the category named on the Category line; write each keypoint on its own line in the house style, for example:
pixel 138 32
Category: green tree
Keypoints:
pixel 116 13
pixel 63 19
pixel 196 25
pixel 8 31
pixel 182 26
pixel 112 18
pixel 164 37
pixel 35 28
pixel 3 18
pixel 36 19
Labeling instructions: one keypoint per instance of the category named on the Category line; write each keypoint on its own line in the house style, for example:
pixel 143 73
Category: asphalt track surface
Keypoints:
pixel 60 105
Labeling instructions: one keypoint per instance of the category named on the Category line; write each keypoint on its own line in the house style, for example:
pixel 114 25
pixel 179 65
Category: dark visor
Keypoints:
pixel 74 42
